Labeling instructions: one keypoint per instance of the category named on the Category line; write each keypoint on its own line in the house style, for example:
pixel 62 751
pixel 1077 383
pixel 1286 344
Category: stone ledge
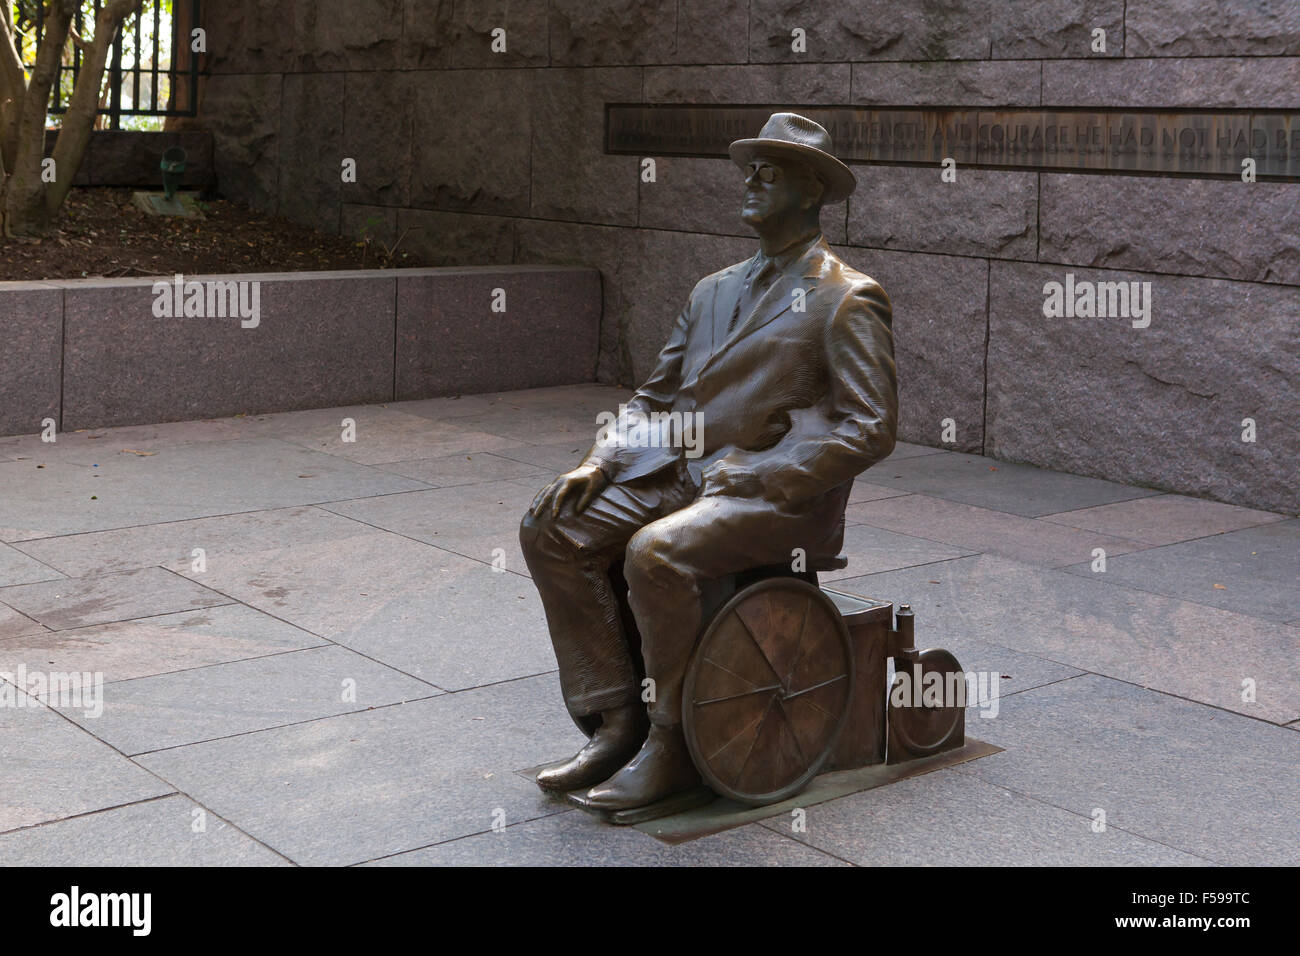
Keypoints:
pixel 92 353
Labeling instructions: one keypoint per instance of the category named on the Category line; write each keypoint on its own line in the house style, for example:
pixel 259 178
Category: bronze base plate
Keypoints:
pixel 697 813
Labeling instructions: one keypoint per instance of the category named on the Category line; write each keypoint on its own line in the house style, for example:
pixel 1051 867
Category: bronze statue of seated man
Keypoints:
pixel 786 360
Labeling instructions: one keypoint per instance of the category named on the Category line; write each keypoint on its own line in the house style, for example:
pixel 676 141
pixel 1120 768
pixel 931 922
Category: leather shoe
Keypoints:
pixel 661 768
pixel 614 742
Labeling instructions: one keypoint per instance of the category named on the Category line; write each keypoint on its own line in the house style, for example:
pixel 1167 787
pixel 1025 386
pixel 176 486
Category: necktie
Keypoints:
pixel 754 284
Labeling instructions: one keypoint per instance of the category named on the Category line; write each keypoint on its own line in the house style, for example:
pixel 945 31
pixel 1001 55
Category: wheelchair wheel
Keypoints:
pixel 767 691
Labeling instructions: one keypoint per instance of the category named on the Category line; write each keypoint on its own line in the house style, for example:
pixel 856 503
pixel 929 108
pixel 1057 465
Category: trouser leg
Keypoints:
pixel 569 557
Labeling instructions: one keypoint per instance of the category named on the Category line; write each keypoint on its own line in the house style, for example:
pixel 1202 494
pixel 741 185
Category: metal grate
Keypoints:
pixel 151 69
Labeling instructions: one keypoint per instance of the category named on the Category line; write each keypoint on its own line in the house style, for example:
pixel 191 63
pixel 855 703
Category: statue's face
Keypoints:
pixel 775 189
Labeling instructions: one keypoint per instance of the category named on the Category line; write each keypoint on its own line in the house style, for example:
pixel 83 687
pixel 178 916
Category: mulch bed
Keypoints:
pixel 102 234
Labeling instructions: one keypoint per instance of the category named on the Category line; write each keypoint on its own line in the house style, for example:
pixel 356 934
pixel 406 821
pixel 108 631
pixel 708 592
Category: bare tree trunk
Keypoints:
pixel 183 91
pixel 28 204
pixel 24 193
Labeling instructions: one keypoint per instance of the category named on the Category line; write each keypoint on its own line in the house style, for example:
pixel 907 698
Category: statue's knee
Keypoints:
pixel 648 557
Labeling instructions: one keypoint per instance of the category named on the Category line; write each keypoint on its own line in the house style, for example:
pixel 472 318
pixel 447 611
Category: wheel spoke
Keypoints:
pixel 748 693
pixel 809 690
pixel 758 646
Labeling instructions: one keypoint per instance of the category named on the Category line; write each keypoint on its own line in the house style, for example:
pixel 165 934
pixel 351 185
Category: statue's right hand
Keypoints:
pixel 586 481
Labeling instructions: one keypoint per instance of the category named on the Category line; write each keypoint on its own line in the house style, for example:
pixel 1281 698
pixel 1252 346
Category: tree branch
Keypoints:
pixel 83 106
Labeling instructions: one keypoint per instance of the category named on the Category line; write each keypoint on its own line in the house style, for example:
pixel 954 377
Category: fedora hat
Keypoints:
pixel 798 137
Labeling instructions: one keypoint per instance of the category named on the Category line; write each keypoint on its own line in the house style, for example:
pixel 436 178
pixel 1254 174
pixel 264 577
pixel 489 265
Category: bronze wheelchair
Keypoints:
pixel 790 679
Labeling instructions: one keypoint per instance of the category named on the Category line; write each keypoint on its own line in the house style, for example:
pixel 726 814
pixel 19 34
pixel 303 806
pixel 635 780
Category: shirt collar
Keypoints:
pixel 789 254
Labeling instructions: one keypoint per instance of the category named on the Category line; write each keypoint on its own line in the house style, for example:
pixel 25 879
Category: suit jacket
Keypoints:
pixel 805 399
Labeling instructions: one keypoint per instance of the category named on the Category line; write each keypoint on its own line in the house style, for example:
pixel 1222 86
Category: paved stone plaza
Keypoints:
pixel 308 656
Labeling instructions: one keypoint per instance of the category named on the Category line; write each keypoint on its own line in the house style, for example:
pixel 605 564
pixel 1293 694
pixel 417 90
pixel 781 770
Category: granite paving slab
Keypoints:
pixel 377 433
pixel 1164 519
pixel 452 470
pixel 158 832
pixel 89 445
pixel 172 544
pixel 1197 779
pixel 329 587
pixel 1030 540
pixel 488 514
pixel 178 482
pixel 1179 647
pixel 1002 486
pixel 19 568
pixel 147 646
pixel 101 598
pixel 905 449
pixel 13 624
pixel 205 703
pixel 53 769
pixel 361 786
pixel 871 550
pixel 574 838
pixel 950 819
pixel 466 628
pixel 1254 571
pixel 866 491
pixel 555 457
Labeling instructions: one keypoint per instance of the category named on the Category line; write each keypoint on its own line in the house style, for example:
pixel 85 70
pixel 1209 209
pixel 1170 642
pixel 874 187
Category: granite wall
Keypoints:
pixel 472 156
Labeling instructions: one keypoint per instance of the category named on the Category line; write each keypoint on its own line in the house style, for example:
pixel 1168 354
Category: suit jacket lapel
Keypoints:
pixel 725 294
pixel 778 298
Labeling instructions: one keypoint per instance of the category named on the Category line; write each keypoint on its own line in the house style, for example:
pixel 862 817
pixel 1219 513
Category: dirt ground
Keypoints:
pixel 102 234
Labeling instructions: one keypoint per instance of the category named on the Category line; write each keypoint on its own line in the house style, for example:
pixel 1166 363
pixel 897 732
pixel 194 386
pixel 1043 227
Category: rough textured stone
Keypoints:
pixel 612 32
pixel 311 149
pixel 948 83
pixel 130 158
pixel 463 161
pixel 31 327
pixel 526 34
pixel 939 330
pixel 1050 28
pixel 455 239
pixel 572 177
pixel 248 36
pixel 323 339
pixel 427 34
pixel 597 247
pixel 812 84
pixel 986 212
pixel 661 270
pixel 1149 224
pixel 705 195
pixel 377 125
pixel 1159 406
pixel 347 34
pixel 712 31
pixel 1263 83
pixel 450 341
pixel 1228 27
pixel 243 113
pixel 867 30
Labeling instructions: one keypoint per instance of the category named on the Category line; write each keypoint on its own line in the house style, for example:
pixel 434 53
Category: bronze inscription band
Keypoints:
pixel 1202 144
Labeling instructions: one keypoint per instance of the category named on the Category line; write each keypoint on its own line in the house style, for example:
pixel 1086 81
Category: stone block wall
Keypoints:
pixel 473 156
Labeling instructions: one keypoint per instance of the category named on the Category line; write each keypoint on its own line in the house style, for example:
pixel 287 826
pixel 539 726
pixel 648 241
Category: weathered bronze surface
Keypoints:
pixel 1205 143
pixel 783 367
